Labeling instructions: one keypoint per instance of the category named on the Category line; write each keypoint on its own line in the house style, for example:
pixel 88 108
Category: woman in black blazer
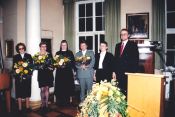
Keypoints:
pixel 104 62
pixel 22 82
pixel 45 74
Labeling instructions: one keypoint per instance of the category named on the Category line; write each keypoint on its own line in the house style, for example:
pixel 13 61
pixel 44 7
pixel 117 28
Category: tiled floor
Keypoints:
pixel 54 111
pixel 71 111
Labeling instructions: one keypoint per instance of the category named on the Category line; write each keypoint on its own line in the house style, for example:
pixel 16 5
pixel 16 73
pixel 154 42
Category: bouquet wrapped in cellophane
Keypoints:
pixel 60 61
pixel 83 60
pixel 23 69
pixel 43 62
pixel 105 100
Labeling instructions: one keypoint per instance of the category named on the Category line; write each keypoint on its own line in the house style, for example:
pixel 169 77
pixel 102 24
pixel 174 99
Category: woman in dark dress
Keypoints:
pixel 64 81
pixel 22 82
pixel 45 73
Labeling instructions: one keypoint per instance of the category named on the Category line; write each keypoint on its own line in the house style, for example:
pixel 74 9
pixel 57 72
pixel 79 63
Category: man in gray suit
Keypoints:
pixel 85 72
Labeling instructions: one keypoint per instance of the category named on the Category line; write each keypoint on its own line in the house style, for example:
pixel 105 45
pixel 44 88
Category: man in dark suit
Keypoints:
pixel 126 59
pixel 104 62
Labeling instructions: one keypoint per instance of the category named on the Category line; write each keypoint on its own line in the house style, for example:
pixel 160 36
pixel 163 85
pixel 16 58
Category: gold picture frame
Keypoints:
pixel 138 25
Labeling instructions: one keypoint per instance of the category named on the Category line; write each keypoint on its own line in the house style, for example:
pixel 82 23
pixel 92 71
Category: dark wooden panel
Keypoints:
pixel 146 60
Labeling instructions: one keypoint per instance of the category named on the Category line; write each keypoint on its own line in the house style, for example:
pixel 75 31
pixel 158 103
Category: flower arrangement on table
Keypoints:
pixel 83 60
pixel 105 100
pixel 43 61
pixel 23 69
pixel 60 61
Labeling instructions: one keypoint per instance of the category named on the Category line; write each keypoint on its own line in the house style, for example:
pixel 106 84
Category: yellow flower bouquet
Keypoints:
pixel 60 61
pixel 43 61
pixel 83 60
pixel 23 69
pixel 105 100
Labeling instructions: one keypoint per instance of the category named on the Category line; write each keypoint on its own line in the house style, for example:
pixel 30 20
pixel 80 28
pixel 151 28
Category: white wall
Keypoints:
pixel 1 23
pixel 10 20
pixel 52 18
pixel 52 22
pixel 136 6
pixel 9 26
pixel 21 9
pixel 1 28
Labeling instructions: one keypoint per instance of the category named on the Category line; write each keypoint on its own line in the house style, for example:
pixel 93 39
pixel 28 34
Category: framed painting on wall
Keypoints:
pixel 138 25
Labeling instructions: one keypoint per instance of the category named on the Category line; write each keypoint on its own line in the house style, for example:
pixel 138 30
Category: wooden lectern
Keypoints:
pixel 146 95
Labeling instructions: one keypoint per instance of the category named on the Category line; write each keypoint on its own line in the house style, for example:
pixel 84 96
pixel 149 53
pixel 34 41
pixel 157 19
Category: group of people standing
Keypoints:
pixel 93 67
pixel 64 81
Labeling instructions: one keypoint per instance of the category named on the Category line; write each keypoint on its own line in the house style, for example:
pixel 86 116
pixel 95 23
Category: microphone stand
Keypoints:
pixel 165 69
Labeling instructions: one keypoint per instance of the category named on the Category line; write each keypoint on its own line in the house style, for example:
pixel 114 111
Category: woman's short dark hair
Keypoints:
pixel 104 42
pixel 42 43
pixel 63 41
pixel 20 44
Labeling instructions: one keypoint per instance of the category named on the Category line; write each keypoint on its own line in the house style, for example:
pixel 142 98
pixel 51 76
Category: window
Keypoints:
pixel 89 23
pixel 170 32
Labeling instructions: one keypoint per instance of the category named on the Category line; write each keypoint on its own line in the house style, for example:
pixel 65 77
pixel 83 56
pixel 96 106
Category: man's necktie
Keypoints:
pixel 121 48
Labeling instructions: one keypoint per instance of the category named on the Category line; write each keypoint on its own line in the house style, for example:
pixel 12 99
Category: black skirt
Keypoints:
pixel 23 88
pixel 45 78
pixel 64 83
